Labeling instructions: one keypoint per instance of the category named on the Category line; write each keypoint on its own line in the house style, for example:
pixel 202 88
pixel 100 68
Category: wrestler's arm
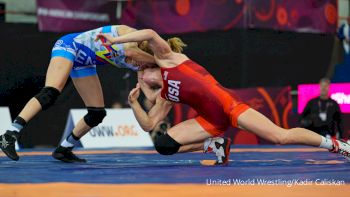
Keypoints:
pixel 157 113
pixel 158 45
pixel 131 48
pixel 150 93
pixel 138 55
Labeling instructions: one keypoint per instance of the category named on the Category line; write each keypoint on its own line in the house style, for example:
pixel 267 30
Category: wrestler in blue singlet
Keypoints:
pixel 86 53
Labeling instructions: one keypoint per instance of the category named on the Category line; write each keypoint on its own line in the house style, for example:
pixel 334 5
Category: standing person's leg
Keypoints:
pixel 90 90
pixel 56 77
pixel 258 124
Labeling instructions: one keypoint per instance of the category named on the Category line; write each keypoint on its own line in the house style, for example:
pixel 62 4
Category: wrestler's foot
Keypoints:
pixel 65 154
pixel 221 147
pixel 8 144
pixel 341 148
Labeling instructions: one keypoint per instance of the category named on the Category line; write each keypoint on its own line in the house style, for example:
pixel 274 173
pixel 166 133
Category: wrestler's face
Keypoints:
pixel 152 76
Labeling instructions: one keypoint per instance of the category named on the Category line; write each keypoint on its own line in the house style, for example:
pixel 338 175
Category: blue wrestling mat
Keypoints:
pixel 147 166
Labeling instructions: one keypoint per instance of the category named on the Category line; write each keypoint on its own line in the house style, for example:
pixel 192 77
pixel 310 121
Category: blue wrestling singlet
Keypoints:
pixel 86 53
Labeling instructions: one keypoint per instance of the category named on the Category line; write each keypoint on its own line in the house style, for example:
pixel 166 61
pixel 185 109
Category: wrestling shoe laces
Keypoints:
pixel 341 148
pixel 8 144
pixel 221 147
pixel 65 154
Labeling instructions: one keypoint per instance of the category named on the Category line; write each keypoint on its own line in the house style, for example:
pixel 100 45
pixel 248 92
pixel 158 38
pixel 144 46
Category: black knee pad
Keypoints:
pixel 94 116
pixel 165 145
pixel 47 97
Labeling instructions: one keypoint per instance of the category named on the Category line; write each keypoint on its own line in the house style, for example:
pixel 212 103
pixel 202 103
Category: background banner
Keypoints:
pixel 181 16
pixel 118 129
pixel 77 15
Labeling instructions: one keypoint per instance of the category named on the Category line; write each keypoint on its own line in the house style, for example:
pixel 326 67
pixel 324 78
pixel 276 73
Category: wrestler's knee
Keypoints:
pixel 47 97
pixel 166 145
pixel 94 116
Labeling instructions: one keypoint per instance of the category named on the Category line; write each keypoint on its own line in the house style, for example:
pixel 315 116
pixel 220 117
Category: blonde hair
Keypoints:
pixel 175 43
pixel 144 47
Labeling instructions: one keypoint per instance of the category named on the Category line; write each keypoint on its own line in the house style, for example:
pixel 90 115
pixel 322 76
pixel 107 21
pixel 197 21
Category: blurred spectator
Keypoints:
pixel 322 114
pixel 117 105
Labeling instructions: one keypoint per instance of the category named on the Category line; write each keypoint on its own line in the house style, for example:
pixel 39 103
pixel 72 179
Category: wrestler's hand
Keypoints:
pixel 106 39
pixel 134 94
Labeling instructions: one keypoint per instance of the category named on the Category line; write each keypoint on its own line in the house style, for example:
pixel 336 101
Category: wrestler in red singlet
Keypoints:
pixel 191 84
pixel 218 107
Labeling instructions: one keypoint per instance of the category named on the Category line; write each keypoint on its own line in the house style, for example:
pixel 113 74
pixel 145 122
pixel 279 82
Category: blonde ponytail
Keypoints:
pixel 176 44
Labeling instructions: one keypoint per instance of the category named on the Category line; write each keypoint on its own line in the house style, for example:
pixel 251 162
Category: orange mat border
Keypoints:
pixel 168 190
